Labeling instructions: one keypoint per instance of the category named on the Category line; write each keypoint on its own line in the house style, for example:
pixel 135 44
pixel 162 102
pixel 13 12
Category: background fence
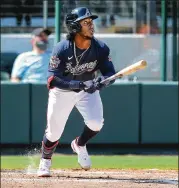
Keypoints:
pixel 135 113
pixel 115 16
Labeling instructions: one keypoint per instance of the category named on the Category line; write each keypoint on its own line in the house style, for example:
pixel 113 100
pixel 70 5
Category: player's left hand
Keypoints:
pixel 91 89
pixel 99 85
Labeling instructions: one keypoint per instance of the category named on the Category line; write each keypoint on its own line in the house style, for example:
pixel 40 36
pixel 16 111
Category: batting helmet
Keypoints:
pixel 77 14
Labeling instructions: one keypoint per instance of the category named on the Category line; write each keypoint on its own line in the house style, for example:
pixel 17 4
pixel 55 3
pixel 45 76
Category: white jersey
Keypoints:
pixel 31 67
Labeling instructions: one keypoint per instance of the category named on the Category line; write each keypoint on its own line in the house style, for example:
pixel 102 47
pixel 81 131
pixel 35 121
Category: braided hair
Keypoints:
pixel 70 36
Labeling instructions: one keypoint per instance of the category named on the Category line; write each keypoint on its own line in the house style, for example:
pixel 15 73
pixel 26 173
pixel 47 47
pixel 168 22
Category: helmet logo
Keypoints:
pixel 88 12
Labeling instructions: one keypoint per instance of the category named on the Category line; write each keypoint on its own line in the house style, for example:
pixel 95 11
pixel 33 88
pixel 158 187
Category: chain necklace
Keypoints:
pixel 81 55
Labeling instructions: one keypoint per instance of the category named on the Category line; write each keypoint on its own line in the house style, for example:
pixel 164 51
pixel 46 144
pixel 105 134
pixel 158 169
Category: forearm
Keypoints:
pixel 61 83
pixel 108 70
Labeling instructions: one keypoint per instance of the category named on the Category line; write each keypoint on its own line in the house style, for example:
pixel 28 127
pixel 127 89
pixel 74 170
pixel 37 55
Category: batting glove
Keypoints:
pixel 91 89
pixel 99 85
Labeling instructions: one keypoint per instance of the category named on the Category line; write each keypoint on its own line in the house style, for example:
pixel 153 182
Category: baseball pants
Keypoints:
pixel 60 105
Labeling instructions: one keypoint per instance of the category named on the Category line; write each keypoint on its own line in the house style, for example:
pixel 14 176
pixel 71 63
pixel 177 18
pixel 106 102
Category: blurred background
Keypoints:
pixel 133 30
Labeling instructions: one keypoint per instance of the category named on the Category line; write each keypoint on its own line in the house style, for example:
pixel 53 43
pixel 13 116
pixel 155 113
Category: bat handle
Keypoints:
pixel 110 79
pixel 105 80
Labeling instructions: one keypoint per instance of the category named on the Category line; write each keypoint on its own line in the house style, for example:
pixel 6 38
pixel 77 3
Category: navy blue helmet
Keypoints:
pixel 77 14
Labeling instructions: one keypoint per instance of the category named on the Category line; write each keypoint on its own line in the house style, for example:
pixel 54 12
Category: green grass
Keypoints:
pixel 100 162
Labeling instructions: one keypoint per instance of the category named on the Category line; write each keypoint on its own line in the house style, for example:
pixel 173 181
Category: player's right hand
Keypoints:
pixel 91 88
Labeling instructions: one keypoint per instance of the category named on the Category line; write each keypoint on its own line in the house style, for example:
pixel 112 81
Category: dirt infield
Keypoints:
pixel 92 179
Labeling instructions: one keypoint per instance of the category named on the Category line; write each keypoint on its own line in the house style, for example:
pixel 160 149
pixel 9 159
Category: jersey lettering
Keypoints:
pixel 80 69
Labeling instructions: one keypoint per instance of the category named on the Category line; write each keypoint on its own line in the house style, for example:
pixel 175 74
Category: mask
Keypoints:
pixel 42 45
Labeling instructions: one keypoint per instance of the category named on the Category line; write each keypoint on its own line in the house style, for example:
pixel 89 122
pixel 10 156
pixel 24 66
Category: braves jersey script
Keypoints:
pixel 64 65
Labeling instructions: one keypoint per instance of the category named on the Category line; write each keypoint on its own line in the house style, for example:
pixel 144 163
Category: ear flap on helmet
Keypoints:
pixel 71 18
pixel 74 27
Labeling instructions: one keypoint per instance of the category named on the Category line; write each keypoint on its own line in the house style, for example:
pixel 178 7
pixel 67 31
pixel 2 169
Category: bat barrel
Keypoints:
pixel 143 62
pixel 128 70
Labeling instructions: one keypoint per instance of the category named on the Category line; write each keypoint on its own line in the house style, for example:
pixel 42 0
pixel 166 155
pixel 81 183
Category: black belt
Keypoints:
pixel 76 90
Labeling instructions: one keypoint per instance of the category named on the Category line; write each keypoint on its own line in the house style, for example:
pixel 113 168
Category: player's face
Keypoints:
pixel 87 28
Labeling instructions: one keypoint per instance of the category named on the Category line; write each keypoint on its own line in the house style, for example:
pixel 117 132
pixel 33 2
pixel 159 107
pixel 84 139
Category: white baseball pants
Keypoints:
pixel 60 105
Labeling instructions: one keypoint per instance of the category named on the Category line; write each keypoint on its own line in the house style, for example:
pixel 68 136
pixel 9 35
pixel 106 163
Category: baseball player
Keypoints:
pixel 72 81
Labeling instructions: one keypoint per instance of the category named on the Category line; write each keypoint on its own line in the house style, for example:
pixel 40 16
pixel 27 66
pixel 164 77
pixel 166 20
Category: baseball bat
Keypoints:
pixel 127 71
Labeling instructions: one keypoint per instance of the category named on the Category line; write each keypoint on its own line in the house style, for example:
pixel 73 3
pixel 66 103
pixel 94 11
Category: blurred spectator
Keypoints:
pixel 23 9
pixel 145 29
pixel 141 17
pixel 32 66
pixel 106 8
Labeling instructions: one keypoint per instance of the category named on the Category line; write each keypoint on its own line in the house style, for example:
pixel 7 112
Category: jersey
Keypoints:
pixel 65 65
pixel 31 67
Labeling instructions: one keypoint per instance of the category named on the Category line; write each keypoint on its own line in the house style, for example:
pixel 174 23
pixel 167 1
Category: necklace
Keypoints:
pixel 81 55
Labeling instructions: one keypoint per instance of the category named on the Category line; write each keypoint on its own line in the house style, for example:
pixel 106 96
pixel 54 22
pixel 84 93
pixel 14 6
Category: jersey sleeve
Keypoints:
pixel 106 66
pixel 19 67
pixel 56 64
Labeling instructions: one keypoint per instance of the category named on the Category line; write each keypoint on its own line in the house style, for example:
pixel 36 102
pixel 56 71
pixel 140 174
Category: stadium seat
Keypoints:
pixel 7 61
pixel 4 76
